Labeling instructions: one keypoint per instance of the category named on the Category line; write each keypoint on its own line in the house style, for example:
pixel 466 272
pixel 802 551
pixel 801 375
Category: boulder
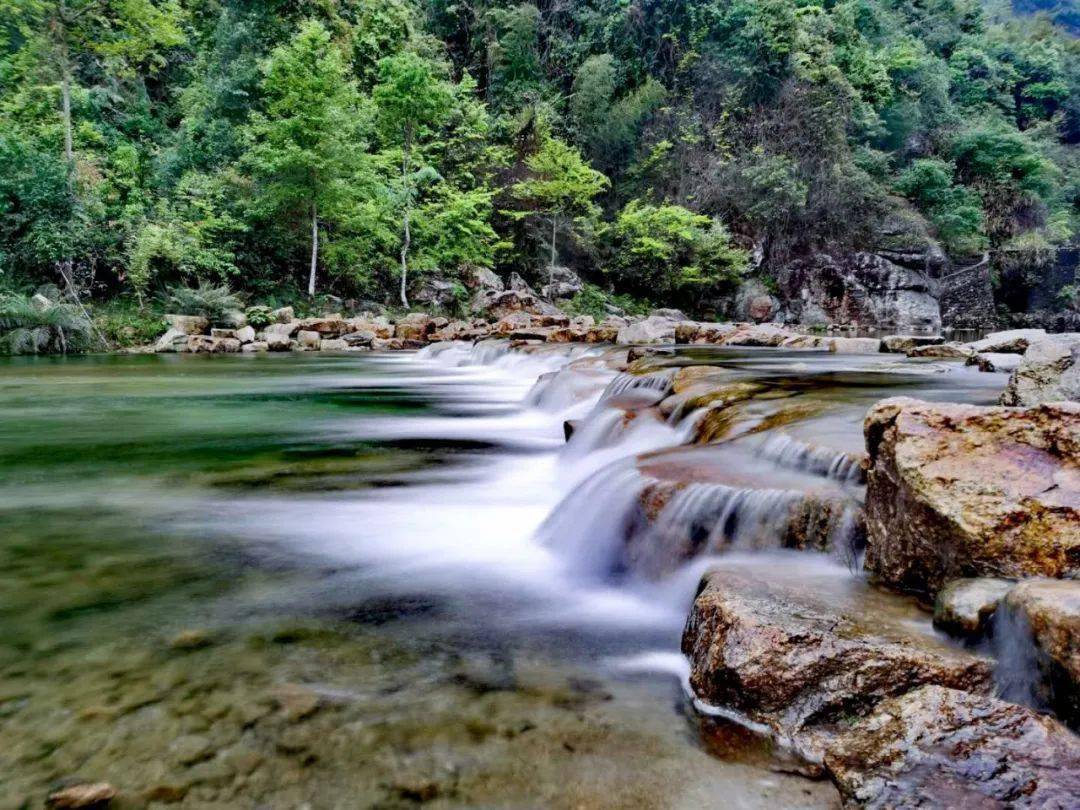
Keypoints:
pixel 904 238
pixel 860 289
pixel 481 278
pixel 1014 341
pixel 563 283
pixel 286 329
pixel 326 325
pixel 256 346
pixel 803 661
pixel 1048 372
pixel 174 340
pixel 763 334
pixel 654 329
pixel 223 333
pixel 308 339
pixel 1050 611
pixel 995 363
pixel 361 338
pixel 333 345
pixel 414 326
pixel 964 607
pixel 497 304
pixel 902 344
pixel 283 315
pixel 40 303
pixel 435 293
pixel 206 344
pixel 188 324
pixel 842 345
pixel 83 796
pixel 715 333
pixel 940 747
pixel 943 351
pixel 512 322
pixel 670 313
pixel 754 302
pixel 378 326
pixel 959 491
pixel 603 333
pixel 233 319
pixel 278 341
pixel 806 342
pixel 245 335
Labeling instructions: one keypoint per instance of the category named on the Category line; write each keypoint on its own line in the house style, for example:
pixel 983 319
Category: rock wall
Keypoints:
pixel 967 298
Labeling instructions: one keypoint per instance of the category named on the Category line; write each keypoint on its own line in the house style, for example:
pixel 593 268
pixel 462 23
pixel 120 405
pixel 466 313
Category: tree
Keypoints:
pixel 562 186
pixel 306 144
pixel 412 104
pixel 954 210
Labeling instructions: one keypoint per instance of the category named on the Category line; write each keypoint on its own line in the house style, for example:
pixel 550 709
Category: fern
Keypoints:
pixel 207 300
pixel 28 329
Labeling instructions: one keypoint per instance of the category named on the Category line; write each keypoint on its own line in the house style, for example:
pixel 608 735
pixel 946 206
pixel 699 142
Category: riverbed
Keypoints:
pixel 382 580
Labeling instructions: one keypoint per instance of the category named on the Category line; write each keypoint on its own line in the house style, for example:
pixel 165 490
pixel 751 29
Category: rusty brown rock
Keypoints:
pixel 959 491
pixel 939 747
pixel 415 326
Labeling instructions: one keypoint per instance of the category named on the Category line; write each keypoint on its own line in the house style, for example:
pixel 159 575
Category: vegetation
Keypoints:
pixel 39 326
pixel 351 148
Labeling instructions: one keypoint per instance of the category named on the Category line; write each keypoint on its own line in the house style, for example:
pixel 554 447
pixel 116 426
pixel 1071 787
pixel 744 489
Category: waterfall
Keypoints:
pixel 655 386
pixel 789 452
pixel 1017 674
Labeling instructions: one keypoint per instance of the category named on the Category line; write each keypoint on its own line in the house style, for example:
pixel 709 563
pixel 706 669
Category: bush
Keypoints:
pixel 594 301
pixel 123 323
pixel 29 326
pixel 207 300
pixel 258 316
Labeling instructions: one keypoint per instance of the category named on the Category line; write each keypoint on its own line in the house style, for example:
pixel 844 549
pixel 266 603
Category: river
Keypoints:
pixel 377 580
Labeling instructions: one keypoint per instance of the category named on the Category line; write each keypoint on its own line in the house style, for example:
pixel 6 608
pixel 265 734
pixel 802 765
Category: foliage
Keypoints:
pixel 592 300
pixel 209 300
pixel 123 323
pixel 37 326
pixel 956 211
pixel 258 316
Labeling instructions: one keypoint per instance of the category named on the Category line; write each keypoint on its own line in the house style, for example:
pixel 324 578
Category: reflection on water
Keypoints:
pixel 287 579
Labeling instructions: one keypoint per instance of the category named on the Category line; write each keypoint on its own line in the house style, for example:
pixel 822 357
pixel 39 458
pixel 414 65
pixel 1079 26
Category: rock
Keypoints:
pixel 414 326
pixel 327 326
pixel 278 342
pixel 191 748
pixel 959 491
pixel 481 278
pixel 802 661
pixel 223 333
pixel 861 289
pixel 754 302
pixel 715 333
pixel 1015 341
pixel 188 324
pixel 191 640
pixel 245 335
pixel 995 363
pixel 40 303
pixel 94 795
pixel 686 331
pixel 257 346
pixel 308 340
pixel 379 327
pixel 333 345
pixel 287 329
pixel 570 426
pixel 902 344
pixel 1048 372
pixel 359 338
pixel 964 607
pixel 173 340
pixel 1050 610
pixel 583 322
pixel 944 351
pixel 603 333
pixel 435 293
pixel 903 237
pixel 495 304
pixel 233 319
pixel 296 702
pixel 283 315
pixel 939 747
pixel 564 283
pixel 518 284
pixel 669 313
pixel 841 345
pixel 654 329
pixel 207 344
pixel 807 342
pixel 762 334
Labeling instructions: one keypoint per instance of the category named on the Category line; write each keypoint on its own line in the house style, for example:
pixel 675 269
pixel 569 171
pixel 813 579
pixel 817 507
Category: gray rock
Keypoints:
pixel 565 283
pixel 278 341
pixel 435 293
pixel 233 319
pixel 995 363
pixel 283 315
pixel 481 278
pixel 39 303
pixel 245 335
pixel 333 345
pixel 174 340
pixel 1014 341
pixel 286 329
pixel 188 324
pixel 754 302
pixel 901 344
pixel 308 339
pixel 1048 372
pixel 223 333
pixel 943 351
pixel 842 345
pixel 651 330
pixel 256 346
pixel 964 607
pixel 359 338
pixel 669 313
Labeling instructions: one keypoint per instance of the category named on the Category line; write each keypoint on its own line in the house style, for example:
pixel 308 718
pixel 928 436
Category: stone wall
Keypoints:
pixel 967 298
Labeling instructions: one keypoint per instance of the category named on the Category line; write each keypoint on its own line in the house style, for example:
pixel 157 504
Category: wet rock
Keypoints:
pixel 901 344
pixel 959 491
pixel 654 329
pixel 333 345
pixel 286 329
pixel 937 747
pixel 995 363
pixel 841 345
pixel 308 340
pixel 686 331
pixel 256 346
pixel 188 324
pixel 943 351
pixel 806 342
pixel 1051 611
pixel 245 334
pixel 1048 372
pixel 191 748
pixel 1014 341
pixel 714 333
pixel 763 334
pixel 295 701
pixel 605 332
pixel 173 340
pixel 205 344
pixel 361 338
pixel 379 327
pixel 804 662
pixel 283 315
pixel 83 796
pixel 964 607
pixel 278 342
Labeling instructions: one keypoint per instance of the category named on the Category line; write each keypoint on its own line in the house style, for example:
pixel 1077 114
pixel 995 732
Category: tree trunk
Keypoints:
pixel 406 235
pixel 65 100
pixel 551 267
pixel 314 249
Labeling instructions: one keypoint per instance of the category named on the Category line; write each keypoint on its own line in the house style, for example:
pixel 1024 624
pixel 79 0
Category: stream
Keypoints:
pixel 382 580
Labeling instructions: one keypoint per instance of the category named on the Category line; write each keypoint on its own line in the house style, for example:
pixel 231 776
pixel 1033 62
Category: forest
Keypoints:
pixel 662 149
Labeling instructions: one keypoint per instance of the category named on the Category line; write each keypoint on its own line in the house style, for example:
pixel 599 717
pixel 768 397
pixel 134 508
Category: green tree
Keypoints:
pixel 561 187
pixel 306 145
pixel 955 211
pixel 412 105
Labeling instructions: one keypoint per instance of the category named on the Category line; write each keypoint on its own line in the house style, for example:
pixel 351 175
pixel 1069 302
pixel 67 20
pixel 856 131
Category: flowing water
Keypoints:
pixel 378 580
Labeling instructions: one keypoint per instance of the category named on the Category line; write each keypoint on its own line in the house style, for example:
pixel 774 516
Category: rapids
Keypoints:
pixel 425 513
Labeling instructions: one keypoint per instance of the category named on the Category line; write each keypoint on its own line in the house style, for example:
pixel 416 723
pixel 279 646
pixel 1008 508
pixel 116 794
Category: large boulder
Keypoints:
pixel 283 315
pixel 903 237
pixel 1048 372
pixel 754 302
pixel 328 326
pixel 495 304
pixel 994 362
pixel 435 293
pixel 804 657
pixel 205 344
pixel 849 345
pixel 762 334
pixel 964 491
pixel 1014 341
pixel 939 747
pixel 481 278
pixel 285 329
pixel 563 283
pixel 943 351
pixel 861 289
pixel 654 329
pixel 1050 610
pixel 174 340
pixel 188 324
pixel 964 607
pixel 415 326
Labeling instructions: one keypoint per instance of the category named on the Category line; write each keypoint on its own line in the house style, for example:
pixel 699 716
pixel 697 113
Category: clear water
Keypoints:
pixel 289 581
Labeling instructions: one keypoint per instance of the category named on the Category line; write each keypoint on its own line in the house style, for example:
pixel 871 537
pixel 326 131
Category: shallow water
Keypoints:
pixel 332 581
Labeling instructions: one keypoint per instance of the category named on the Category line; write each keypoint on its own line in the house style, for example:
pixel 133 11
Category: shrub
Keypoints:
pixel 207 300
pixel 258 316
pixel 30 327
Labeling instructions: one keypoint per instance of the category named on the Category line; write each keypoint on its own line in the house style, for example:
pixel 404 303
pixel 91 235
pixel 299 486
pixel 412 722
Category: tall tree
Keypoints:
pixel 562 187
pixel 413 103
pixel 306 145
